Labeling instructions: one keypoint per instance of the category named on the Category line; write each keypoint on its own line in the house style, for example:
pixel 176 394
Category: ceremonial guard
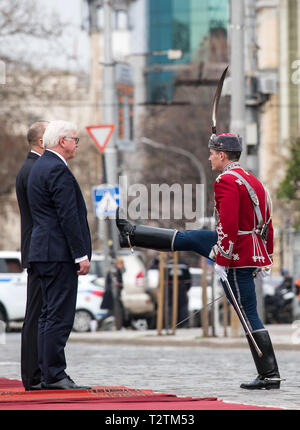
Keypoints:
pixel 241 246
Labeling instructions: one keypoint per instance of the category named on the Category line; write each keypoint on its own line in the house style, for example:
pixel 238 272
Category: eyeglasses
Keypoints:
pixel 76 139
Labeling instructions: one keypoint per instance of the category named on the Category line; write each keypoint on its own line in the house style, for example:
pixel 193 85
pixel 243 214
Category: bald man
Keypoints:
pixel 30 370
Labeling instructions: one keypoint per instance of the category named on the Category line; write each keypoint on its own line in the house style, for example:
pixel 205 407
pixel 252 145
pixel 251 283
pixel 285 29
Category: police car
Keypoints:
pixel 13 290
pixel 13 280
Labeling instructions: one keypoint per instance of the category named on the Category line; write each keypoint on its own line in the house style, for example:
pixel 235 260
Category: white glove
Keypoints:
pixel 221 272
pixel 264 273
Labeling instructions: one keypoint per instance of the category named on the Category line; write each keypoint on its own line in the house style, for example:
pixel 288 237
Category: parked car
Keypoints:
pixel 194 293
pixel 13 290
pixel 13 281
pixel 138 304
pixel 88 305
pixel 195 297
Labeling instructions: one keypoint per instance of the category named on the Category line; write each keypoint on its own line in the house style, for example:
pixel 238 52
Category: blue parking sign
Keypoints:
pixel 106 200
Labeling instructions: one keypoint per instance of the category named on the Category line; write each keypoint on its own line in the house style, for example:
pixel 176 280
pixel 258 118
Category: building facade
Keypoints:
pixel 179 25
pixel 278 39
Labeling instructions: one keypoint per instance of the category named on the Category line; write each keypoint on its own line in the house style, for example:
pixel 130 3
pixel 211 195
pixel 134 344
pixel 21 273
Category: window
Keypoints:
pixel 121 20
pixel 196 280
pixel 10 265
pixel 97 268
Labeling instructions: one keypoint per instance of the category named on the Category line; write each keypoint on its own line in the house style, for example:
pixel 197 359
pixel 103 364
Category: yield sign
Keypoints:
pixel 101 134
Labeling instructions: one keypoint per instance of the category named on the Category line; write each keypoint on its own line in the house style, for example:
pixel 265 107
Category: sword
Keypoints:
pixel 216 101
pixel 242 319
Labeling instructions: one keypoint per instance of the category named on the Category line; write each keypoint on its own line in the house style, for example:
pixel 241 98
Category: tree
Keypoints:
pixel 22 24
pixel 35 87
pixel 188 128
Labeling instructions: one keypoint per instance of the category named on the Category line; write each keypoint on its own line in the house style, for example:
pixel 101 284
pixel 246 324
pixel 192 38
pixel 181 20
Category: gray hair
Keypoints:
pixel 35 131
pixel 56 130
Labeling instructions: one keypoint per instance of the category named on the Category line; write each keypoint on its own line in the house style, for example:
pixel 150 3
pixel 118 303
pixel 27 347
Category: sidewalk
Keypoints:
pixel 284 337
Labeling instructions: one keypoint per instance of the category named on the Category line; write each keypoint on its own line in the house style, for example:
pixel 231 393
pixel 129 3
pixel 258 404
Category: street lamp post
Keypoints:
pixel 185 153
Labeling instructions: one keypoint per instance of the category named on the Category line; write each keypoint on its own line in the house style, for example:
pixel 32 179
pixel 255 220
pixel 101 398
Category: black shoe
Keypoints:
pixel 65 384
pixel 34 387
pixel 261 383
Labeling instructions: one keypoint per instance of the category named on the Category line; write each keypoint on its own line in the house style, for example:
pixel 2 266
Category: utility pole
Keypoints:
pixel 244 109
pixel 237 124
pixel 109 98
pixel 109 103
pixel 238 110
pixel 252 114
pixel 252 122
pixel 106 114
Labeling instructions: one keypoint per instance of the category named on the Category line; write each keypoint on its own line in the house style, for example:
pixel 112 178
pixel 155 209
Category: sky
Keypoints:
pixel 72 49
pixel 75 41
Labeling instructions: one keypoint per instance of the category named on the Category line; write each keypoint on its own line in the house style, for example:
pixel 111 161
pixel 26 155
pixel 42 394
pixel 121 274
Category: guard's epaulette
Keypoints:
pixel 219 177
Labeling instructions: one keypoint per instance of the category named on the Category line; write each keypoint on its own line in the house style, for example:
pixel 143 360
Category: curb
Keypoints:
pixel 171 340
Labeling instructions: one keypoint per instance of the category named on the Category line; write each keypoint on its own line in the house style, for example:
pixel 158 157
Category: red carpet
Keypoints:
pixel 14 397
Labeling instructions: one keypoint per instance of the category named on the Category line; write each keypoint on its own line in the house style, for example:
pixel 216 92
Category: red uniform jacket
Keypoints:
pixel 236 221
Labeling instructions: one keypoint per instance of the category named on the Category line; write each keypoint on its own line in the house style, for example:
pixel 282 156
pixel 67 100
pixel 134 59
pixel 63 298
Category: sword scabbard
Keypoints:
pixel 242 319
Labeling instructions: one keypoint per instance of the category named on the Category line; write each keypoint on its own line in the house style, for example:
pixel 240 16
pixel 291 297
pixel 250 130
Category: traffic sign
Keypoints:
pixel 106 200
pixel 100 134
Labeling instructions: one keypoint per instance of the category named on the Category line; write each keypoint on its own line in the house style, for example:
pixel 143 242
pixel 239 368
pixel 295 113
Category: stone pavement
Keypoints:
pixel 284 337
pixel 184 364
pixel 188 364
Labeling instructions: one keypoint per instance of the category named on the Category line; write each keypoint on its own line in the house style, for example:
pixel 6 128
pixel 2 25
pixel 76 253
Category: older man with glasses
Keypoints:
pixel 60 247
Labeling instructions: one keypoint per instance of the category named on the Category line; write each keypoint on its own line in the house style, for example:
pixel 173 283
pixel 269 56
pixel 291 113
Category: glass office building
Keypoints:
pixel 179 24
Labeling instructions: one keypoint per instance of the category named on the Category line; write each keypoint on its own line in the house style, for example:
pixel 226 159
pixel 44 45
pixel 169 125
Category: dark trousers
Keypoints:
pixel 59 282
pixel 30 370
pixel 240 279
pixel 243 287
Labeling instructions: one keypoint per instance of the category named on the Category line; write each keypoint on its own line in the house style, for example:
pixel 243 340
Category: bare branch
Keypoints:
pixel 19 17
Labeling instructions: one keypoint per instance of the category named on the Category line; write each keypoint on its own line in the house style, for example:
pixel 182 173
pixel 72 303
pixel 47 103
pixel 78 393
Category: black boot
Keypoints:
pixel 159 239
pixel 268 374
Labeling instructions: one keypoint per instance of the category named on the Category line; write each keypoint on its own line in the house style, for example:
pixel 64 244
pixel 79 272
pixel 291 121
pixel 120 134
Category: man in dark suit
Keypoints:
pixel 30 371
pixel 60 247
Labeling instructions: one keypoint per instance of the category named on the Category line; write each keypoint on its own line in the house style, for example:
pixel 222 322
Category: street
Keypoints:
pixel 184 371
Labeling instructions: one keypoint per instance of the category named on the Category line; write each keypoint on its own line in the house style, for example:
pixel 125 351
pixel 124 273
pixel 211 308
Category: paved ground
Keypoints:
pixel 183 364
